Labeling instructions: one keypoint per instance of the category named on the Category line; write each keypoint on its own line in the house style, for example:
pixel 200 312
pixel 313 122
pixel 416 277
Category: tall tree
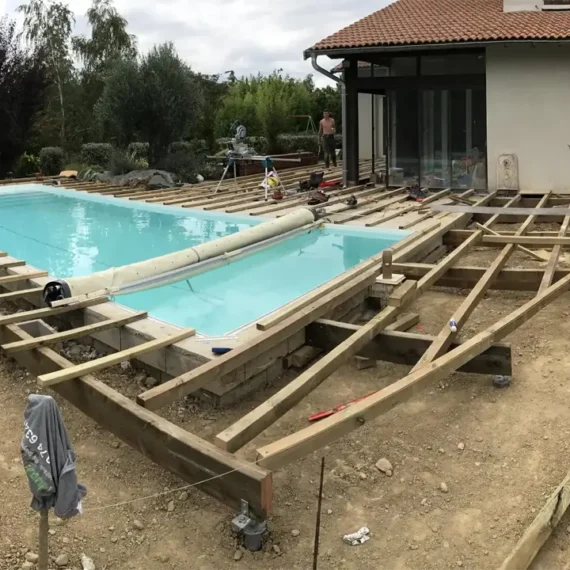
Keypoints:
pixel 23 84
pixel 109 41
pixel 48 27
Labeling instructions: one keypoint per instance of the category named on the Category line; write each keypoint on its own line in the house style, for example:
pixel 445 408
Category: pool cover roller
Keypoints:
pixel 110 281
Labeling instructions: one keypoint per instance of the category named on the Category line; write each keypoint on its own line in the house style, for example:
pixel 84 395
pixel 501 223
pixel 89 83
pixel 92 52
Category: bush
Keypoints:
pixel 195 146
pixel 138 150
pixel 294 143
pixel 122 162
pixel 27 165
pixel 184 164
pixel 97 153
pixel 51 160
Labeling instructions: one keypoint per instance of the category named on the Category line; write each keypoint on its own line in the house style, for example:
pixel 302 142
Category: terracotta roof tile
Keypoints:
pixel 411 22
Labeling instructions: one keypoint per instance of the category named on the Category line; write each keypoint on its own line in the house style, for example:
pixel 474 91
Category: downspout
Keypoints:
pixel 336 79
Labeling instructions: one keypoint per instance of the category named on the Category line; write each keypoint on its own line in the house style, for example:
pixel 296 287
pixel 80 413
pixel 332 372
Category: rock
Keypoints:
pixel 170 506
pixel 62 560
pixel 87 563
pixel 116 444
pixel 385 466
pixel 51 531
pixel 150 382
pixel 27 566
pixel 441 450
pixel 295 532
pixel 461 446
pixel 183 496
pixel 277 550
pixel 138 525
pixel 460 563
pixel 424 502
pixel 238 555
pixel 163 558
pixel 443 487
pixel 31 557
pixel 329 512
pixel 65 540
pixel 74 351
pixel 363 475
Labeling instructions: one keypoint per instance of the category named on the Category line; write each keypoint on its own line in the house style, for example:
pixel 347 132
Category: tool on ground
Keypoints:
pixel 318 197
pixel 318 522
pixel 417 194
pixel 351 201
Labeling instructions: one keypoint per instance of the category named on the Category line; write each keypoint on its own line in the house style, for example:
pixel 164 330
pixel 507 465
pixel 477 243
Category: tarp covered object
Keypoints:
pixel 49 459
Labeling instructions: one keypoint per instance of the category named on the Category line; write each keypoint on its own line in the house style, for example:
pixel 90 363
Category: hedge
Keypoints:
pixel 51 160
pixel 97 153
pixel 194 146
pixel 287 143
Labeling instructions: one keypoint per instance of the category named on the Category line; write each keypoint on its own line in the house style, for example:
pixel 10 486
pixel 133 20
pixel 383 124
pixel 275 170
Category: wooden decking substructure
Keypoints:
pixel 229 477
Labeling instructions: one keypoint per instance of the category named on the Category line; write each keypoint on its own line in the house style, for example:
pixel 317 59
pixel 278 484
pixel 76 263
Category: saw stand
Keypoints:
pixel 245 525
pixel 231 163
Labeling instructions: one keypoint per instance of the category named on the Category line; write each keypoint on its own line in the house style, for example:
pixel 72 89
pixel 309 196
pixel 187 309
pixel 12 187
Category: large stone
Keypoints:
pixel 62 560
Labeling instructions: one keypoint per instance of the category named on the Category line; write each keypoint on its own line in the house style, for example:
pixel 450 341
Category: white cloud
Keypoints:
pixel 245 36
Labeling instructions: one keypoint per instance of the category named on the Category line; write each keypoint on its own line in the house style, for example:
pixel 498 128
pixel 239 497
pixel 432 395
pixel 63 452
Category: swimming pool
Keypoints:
pixel 73 234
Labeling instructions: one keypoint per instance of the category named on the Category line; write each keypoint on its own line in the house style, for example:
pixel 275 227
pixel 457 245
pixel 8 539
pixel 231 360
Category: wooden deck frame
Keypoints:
pixel 195 459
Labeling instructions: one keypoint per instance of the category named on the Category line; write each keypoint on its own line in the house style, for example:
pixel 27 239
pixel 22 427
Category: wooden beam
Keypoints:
pixel 528 240
pixel 48 311
pixel 10 295
pixel 538 211
pixel 405 348
pixel 220 474
pixel 12 263
pixel 540 529
pixel 292 447
pixel 78 332
pixel 553 261
pixel 22 277
pixel 112 359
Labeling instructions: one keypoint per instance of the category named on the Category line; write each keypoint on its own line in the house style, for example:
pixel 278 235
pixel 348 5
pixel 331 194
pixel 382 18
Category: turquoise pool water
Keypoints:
pixel 72 234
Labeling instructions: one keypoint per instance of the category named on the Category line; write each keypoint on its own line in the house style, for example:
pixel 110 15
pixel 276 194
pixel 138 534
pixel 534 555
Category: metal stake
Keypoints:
pixel 318 523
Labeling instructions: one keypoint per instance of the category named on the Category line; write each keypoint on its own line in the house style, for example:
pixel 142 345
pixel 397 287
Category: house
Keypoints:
pixel 476 92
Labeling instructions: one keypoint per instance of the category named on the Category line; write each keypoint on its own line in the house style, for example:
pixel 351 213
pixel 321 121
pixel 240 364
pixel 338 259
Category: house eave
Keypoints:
pixel 340 53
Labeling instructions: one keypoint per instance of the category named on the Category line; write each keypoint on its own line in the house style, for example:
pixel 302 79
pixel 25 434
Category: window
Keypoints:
pixel 456 64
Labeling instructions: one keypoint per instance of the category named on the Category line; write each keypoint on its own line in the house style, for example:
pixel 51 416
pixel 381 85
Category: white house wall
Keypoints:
pixel 365 101
pixel 528 115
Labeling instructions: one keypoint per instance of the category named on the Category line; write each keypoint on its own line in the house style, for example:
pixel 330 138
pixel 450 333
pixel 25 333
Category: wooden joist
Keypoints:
pixel 292 447
pixel 528 240
pixel 538 211
pixel 22 277
pixel 111 359
pixel 78 332
pixel 48 311
pixel 10 295
pixel 553 261
pixel 220 474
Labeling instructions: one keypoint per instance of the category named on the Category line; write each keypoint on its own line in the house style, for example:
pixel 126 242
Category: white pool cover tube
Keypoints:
pixel 110 281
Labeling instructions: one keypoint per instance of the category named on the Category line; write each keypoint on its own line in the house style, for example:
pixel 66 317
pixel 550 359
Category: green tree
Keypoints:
pixel 48 27
pixel 109 41
pixel 24 82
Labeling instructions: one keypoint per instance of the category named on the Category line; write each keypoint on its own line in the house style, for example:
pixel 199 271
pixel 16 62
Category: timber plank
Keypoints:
pixel 48 311
pixel 290 448
pixel 78 332
pixel 552 262
pixel 171 447
pixel 20 293
pixel 22 277
pixel 111 359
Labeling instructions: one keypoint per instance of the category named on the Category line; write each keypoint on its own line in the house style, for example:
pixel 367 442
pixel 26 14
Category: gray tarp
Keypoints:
pixel 49 460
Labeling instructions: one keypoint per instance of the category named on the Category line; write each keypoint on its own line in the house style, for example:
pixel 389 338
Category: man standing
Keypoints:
pixel 327 130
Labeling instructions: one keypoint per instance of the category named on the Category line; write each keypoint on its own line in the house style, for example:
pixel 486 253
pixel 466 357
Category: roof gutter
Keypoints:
pixel 347 52
pixel 341 83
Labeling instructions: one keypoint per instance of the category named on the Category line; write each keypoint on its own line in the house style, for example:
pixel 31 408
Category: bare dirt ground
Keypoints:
pixel 500 452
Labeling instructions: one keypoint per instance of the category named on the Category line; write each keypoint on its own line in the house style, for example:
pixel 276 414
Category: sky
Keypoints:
pixel 245 36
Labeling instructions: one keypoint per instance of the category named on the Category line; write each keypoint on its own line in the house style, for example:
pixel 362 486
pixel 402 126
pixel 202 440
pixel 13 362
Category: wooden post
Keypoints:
pixel 387 264
pixel 43 541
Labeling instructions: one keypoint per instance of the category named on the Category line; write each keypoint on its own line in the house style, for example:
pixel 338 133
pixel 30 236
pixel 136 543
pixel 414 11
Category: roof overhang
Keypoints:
pixel 340 53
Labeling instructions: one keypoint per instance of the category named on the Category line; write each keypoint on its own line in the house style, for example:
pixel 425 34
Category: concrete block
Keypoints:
pixel 362 362
pixel 303 356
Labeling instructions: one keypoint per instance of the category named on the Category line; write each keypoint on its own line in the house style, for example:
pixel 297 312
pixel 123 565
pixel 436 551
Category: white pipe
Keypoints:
pixel 110 280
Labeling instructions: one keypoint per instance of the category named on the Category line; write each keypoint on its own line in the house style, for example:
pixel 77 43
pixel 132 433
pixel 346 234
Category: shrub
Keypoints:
pixel 138 150
pixel 27 165
pixel 97 153
pixel 195 146
pixel 294 143
pixel 185 165
pixel 122 162
pixel 51 160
